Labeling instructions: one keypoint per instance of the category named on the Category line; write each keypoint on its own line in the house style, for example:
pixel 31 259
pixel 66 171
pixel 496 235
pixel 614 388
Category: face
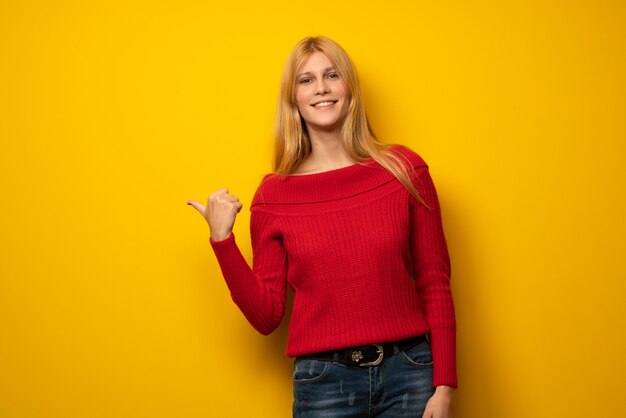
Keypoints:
pixel 321 94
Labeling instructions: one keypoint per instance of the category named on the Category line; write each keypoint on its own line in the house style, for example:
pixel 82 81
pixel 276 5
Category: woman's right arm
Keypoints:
pixel 259 292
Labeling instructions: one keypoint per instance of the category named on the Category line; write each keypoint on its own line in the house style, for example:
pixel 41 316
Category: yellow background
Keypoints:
pixel 113 114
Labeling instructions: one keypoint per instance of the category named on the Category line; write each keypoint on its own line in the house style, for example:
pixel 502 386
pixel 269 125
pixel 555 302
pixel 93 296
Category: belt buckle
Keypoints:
pixel 378 360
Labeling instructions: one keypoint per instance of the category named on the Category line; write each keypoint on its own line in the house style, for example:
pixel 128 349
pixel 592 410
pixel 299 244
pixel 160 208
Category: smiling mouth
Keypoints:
pixel 324 104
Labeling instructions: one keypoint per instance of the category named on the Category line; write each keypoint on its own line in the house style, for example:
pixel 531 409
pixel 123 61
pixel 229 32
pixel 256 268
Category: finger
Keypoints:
pixel 226 198
pixel 199 207
pixel 217 194
pixel 427 412
pixel 238 206
pixel 220 191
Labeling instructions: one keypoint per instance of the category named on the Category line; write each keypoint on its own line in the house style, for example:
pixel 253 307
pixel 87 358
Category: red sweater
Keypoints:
pixel 367 262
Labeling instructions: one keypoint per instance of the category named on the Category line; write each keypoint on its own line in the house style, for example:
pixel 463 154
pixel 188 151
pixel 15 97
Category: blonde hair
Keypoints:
pixel 292 142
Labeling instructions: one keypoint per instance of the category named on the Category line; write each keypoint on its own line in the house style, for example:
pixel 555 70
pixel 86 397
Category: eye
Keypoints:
pixel 304 80
pixel 333 75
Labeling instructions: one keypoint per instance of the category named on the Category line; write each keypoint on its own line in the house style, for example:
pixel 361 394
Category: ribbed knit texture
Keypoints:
pixel 368 263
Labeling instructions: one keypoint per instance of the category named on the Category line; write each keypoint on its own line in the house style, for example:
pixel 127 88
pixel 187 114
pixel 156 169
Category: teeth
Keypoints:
pixel 324 104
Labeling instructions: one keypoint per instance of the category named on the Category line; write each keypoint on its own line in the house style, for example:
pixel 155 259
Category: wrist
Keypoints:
pixel 444 390
pixel 219 237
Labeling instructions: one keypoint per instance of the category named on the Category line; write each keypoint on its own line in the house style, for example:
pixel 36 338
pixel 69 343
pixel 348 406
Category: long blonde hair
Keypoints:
pixel 292 142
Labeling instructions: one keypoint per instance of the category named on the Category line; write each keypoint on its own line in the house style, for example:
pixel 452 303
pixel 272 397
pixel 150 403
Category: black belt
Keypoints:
pixel 366 355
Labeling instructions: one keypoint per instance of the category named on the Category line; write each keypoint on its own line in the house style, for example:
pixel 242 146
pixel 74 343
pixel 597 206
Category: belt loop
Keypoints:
pixel 336 357
pixel 396 349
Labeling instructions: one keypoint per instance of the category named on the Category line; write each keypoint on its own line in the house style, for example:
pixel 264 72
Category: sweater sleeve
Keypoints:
pixel 260 291
pixel 431 267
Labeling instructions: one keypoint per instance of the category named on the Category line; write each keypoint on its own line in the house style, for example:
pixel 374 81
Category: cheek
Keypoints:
pixel 346 98
pixel 344 92
pixel 301 97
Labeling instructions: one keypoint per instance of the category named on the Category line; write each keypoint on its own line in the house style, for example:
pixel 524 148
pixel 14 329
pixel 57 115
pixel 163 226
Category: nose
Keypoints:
pixel 322 87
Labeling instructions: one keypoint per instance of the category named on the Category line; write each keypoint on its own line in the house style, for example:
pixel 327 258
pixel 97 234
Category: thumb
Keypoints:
pixel 199 206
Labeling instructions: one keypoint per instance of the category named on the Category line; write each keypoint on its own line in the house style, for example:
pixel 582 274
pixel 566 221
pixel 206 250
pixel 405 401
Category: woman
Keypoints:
pixel 354 227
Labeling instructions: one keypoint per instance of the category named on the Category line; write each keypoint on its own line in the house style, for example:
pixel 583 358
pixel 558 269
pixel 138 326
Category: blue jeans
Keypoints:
pixel 400 386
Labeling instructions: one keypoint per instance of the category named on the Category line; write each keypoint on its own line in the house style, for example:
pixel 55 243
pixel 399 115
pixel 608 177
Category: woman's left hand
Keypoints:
pixel 439 405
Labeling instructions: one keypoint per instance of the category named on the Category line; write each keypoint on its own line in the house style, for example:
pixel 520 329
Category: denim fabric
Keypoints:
pixel 398 387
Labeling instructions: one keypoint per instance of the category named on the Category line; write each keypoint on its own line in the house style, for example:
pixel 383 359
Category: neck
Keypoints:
pixel 327 151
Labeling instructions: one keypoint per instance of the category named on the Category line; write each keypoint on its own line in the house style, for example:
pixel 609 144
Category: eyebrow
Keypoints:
pixel 309 73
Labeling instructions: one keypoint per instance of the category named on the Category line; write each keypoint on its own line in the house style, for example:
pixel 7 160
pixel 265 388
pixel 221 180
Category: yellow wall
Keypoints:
pixel 113 114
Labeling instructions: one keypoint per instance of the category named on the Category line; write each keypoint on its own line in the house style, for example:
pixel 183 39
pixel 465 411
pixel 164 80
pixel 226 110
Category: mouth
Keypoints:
pixel 324 104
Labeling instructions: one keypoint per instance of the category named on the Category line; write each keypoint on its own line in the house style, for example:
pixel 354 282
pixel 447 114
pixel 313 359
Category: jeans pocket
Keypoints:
pixel 419 355
pixel 309 370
